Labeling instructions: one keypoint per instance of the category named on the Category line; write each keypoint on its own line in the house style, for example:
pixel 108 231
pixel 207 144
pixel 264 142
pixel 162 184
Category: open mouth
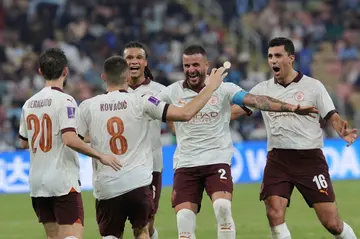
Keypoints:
pixel 134 69
pixel 276 69
pixel 194 76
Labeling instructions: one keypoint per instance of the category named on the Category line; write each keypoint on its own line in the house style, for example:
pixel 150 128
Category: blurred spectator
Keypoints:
pixel 325 33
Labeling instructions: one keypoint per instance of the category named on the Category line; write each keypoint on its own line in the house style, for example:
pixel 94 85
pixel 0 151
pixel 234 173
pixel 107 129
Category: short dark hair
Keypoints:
pixel 52 63
pixel 135 44
pixel 283 41
pixel 115 68
pixel 194 49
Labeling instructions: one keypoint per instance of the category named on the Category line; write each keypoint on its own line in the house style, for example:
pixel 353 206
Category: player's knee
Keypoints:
pixel 275 215
pixel 222 208
pixel 333 225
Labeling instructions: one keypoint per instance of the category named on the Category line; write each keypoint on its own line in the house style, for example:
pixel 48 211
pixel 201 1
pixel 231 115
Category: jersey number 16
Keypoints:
pixel 115 127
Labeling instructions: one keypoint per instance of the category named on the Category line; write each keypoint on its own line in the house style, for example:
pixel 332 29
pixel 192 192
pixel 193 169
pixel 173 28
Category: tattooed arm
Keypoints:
pixel 266 103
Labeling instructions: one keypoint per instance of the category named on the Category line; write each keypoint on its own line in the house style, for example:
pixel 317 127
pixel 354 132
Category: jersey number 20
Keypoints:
pixel 116 134
pixel 46 131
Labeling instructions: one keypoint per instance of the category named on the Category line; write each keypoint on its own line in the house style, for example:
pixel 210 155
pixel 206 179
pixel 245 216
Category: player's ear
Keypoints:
pixel 207 64
pixel 65 72
pixel 292 59
pixel 40 72
pixel 103 77
pixel 146 63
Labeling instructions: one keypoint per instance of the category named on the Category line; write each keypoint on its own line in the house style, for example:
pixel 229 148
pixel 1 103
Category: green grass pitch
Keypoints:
pixel 17 219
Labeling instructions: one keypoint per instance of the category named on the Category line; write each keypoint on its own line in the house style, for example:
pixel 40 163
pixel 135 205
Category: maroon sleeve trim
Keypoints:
pixel 23 138
pixel 68 130
pixel 328 115
pixel 164 114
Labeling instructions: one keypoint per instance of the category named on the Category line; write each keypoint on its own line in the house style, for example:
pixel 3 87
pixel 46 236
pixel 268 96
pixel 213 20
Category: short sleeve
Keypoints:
pixel 324 102
pixel 82 120
pixel 67 110
pixel 164 95
pixel 256 90
pixel 155 108
pixel 230 90
pixel 23 133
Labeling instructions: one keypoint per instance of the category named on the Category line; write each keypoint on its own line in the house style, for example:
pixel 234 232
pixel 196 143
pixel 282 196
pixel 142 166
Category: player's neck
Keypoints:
pixel 55 83
pixel 289 78
pixel 136 81
pixel 111 88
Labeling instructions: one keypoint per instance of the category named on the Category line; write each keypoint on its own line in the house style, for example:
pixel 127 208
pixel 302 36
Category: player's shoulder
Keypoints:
pixel 156 85
pixel 62 96
pixel 175 86
pixel 266 83
pixel 228 85
pixel 92 100
pixel 310 80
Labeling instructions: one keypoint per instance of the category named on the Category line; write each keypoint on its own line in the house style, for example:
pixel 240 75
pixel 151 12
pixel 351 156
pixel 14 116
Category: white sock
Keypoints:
pixel 155 234
pixel 226 225
pixel 110 237
pixel 347 233
pixel 186 222
pixel 280 232
pixel 70 237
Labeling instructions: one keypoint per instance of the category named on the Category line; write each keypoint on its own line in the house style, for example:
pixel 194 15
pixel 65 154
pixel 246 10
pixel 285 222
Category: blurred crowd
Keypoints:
pixel 326 35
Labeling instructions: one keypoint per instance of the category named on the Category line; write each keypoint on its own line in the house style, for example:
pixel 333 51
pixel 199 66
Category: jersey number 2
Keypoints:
pixel 46 131
pixel 116 134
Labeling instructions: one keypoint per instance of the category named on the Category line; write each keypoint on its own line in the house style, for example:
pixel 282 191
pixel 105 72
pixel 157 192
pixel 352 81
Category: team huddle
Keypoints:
pixel 120 131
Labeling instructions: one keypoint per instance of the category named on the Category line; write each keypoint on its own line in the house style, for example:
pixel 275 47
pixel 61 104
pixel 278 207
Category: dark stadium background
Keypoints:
pixel 327 39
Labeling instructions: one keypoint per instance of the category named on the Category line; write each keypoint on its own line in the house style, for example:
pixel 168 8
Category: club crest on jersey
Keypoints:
pixel 213 100
pixel 71 112
pixel 153 100
pixel 299 96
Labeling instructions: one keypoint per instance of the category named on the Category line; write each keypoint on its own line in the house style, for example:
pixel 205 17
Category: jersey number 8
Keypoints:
pixel 115 127
pixel 46 132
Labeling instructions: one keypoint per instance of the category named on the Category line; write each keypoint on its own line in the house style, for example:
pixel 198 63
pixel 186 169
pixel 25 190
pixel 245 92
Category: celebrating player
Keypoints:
pixel 294 146
pixel 140 82
pixel 204 151
pixel 118 123
pixel 48 120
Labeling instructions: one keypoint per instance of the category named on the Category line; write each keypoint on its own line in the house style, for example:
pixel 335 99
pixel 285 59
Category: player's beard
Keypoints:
pixel 197 83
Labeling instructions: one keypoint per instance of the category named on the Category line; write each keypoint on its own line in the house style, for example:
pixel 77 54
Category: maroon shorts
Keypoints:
pixel 189 183
pixel 64 210
pixel 111 214
pixel 156 185
pixel 307 170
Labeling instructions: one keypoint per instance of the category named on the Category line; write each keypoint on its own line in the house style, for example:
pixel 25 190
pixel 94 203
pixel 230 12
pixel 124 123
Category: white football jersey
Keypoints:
pixel 54 167
pixel 206 138
pixel 288 130
pixel 149 87
pixel 118 123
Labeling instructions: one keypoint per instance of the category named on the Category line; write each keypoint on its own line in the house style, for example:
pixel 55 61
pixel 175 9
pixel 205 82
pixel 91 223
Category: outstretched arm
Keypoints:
pixel 266 103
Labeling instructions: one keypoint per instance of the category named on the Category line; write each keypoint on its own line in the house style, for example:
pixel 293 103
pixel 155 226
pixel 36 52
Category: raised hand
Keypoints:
pixel 349 135
pixel 216 77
